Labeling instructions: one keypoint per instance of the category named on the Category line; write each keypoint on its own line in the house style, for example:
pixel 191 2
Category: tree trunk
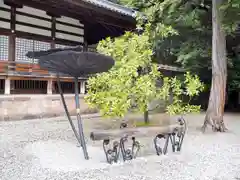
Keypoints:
pixel 215 111
pixel 146 117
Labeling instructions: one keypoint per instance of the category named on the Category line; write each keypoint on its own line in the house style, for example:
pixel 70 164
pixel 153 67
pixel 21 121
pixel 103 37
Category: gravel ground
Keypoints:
pixel 47 150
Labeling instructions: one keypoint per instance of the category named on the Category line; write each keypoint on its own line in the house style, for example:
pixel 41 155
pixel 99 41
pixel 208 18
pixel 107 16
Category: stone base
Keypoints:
pixel 17 107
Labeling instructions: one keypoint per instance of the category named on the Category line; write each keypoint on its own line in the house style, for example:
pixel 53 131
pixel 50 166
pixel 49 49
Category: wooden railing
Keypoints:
pixel 22 68
pixel 12 68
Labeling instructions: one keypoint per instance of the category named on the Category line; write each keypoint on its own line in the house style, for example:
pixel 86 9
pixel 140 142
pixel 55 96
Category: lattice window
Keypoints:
pixel 22 47
pixel 41 46
pixel 25 45
pixel 3 48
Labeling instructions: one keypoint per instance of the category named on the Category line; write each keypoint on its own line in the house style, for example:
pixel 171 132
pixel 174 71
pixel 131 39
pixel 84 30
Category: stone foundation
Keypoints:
pixel 17 107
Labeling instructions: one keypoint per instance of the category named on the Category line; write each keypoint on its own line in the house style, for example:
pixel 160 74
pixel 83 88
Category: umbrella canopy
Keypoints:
pixel 75 63
pixel 38 54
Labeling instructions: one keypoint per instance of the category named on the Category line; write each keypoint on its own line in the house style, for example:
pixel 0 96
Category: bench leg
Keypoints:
pixel 129 154
pixel 135 147
pixel 174 141
pixel 178 135
pixel 157 140
pixel 112 153
pixel 182 132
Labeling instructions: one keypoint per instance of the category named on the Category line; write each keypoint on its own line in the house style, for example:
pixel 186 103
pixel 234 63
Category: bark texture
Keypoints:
pixel 146 117
pixel 216 104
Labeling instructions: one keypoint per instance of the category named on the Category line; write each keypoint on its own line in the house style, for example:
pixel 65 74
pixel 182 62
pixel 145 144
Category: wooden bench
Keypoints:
pixel 30 68
pixel 3 66
pixel 162 135
pixel 36 69
pixel 22 67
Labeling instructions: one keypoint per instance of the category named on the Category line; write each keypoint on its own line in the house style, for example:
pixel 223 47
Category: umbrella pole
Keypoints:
pixel 80 126
pixel 66 110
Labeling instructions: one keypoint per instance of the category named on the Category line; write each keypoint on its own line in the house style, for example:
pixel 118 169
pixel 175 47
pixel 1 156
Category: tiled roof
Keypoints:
pixel 113 7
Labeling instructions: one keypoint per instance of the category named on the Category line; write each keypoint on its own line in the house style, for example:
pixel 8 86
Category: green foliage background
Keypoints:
pixel 190 47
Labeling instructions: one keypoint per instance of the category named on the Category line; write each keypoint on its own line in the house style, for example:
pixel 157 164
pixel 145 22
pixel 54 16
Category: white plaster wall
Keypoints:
pixel 34 21
pixel 33 11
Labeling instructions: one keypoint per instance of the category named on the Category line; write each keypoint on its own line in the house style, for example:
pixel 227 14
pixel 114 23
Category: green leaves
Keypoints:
pixel 231 13
pixel 126 87
pixel 190 88
pixel 123 87
pixel 193 85
pixel 234 74
pixel 131 83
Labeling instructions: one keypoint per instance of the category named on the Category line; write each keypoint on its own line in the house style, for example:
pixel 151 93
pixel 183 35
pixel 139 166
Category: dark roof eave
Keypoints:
pixel 115 7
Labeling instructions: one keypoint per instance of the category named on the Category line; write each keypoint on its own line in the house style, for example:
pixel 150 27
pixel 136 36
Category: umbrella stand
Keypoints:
pixel 80 127
pixel 66 110
pixel 75 64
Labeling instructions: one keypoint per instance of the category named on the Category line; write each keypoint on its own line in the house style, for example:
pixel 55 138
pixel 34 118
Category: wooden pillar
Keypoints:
pixel 12 37
pixel 53 33
pixel 82 86
pixel 85 43
pixel 53 28
pixel 85 46
pixel 7 87
pixel 11 48
pixel 50 86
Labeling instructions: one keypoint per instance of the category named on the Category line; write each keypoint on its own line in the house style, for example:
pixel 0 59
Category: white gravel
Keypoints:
pixel 64 156
pixel 46 150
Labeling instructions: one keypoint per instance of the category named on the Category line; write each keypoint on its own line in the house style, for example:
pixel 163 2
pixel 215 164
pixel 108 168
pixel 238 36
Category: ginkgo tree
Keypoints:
pixel 131 83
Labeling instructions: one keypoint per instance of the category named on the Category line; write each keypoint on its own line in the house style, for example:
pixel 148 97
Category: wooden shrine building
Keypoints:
pixel 33 25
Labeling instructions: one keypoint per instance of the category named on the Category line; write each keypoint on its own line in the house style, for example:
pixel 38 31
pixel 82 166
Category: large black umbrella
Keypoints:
pixel 37 55
pixel 75 64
